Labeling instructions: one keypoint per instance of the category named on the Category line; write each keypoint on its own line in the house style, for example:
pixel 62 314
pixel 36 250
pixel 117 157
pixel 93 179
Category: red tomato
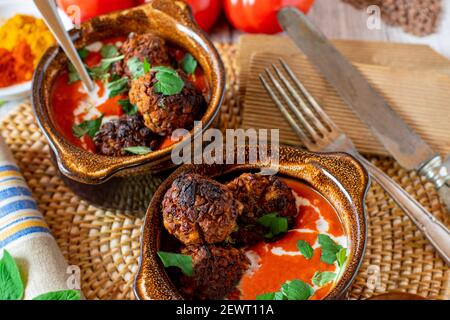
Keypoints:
pixel 260 16
pixel 205 12
pixel 87 9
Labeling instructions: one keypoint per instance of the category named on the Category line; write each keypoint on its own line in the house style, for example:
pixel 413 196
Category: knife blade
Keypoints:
pixel 395 135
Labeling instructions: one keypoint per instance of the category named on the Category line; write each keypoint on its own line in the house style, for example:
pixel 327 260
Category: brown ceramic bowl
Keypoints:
pixel 338 177
pixel 123 182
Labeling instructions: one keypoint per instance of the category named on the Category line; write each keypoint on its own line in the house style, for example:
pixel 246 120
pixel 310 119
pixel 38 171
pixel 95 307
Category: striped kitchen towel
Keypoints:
pixel 26 236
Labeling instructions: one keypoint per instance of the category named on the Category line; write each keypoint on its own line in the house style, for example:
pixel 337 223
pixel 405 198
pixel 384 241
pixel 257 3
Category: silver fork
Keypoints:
pixel 319 133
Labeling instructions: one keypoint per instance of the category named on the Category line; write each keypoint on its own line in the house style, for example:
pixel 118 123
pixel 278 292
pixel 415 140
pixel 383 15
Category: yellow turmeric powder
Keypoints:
pixel 24 28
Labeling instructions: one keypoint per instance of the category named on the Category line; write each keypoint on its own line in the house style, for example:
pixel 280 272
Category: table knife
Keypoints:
pixel 400 141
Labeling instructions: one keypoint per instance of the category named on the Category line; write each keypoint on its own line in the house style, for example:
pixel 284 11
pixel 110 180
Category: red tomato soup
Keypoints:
pixel 274 263
pixel 72 105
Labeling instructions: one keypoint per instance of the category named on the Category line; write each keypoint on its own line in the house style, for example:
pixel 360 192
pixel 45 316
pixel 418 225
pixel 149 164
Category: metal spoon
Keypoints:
pixel 48 10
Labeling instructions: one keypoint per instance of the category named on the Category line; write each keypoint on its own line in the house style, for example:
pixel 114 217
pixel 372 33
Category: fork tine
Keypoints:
pixel 304 106
pixel 306 140
pixel 312 102
pixel 307 127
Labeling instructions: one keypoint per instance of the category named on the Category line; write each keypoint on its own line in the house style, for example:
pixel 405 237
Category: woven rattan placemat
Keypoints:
pixel 105 244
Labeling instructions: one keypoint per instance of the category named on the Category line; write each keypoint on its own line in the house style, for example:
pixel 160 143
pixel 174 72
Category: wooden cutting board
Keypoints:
pixel 420 95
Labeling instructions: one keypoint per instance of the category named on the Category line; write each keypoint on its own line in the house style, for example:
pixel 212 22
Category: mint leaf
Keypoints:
pixel 168 83
pixel 117 87
pixel 181 261
pixel 189 64
pixel 60 295
pixel 73 74
pixel 329 249
pixel 109 51
pixel 305 249
pixel 275 224
pixel 11 285
pixel 341 257
pixel 321 278
pixel 297 290
pixel 89 127
pixel 128 107
pixel 266 296
pixel 138 150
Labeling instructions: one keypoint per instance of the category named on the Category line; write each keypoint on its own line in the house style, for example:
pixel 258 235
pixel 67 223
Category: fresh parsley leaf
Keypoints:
pixel 89 127
pixel 138 150
pixel 341 257
pixel 321 278
pixel 189 64
pixel 275 224
pixel 329 249
pixel 147 66
pixel 73 74
pixel 181 261
pixel 305 249
pixel 136 67
pixel 83 53
pixel 60 295
pixel 109 51
pixel 128 107
pixel 297 290
pixel 168 83
pixel 11 285
pixel 164 69
pixel 117 87
pixel 266 296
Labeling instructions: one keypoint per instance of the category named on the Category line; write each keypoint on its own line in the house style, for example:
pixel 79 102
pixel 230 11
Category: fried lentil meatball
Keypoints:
pixel 216 271
pixel 127 131
pixel 260 195
pixel 164 114
pixel 198 210
pixel 142 46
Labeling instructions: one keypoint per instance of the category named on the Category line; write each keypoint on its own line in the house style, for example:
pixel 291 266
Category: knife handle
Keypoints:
pixel 438 172
pixel 433 230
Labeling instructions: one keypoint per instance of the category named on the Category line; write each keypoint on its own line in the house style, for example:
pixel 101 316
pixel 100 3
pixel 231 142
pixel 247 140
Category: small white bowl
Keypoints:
pixel 9 8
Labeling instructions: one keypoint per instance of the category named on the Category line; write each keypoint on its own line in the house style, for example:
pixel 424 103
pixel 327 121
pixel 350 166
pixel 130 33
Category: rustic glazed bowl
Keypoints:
pixel 124 183
pixel 341 179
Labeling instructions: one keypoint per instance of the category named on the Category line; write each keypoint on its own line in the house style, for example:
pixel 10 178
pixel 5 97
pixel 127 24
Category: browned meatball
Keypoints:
pixel 127 131
pixel 199 210
pixel 217 272
pixel 260 195
pixel 164 114
pixel 142 46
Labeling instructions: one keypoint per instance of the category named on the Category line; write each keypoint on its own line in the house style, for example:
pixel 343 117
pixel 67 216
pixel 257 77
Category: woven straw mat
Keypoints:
pixel 105 244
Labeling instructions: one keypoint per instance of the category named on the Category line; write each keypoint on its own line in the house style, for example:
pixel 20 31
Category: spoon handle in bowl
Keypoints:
pixel 48 10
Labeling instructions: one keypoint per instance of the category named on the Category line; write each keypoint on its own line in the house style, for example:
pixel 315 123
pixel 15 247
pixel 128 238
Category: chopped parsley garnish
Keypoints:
pixel 169 82
pixel 341 257
pixel 137 67
pixel 128 107
pixel 305 249
pixel 109 51
pixel 275 224
pixel 117 87
pixel 321 278
pixel 330 249
pixel 89 127
pixel 138 150
pixel 83 53
pixel 290 290
pixel 181 261
pixel 189 64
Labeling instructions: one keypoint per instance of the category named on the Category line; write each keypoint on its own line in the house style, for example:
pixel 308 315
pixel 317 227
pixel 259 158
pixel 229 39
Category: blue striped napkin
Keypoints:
pixel 27 237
